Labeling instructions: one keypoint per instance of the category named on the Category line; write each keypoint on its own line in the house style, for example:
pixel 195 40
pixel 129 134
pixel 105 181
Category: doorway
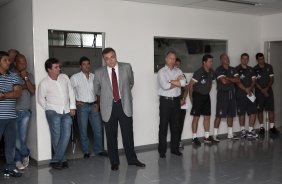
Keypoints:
pixel 68 47
pixel 274 57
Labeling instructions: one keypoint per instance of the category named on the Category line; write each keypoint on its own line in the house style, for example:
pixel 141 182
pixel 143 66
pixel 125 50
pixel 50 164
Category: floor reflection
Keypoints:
pixel 244 161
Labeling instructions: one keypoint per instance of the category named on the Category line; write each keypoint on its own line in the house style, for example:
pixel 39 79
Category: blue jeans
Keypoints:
pixel 21 126
pixel 8 130
pixel 60 129
pixel 85 113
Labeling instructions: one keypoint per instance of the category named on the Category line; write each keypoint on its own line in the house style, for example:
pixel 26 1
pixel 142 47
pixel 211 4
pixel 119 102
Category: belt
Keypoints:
pixel 90 103
pixel 169 98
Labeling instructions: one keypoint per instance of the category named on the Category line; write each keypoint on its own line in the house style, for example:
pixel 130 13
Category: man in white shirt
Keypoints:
pixel 170 80
pixel 56 96
pixel 87 108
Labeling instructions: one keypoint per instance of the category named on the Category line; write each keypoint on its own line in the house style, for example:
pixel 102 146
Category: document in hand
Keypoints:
pixel 251 97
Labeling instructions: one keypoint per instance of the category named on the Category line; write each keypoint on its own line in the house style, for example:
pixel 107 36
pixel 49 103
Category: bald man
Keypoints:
pixel 226 78
pixel 12 55
pixel 23 110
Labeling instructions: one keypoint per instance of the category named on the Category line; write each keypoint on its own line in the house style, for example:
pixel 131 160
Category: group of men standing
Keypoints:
pixel 86 94
pixel 106 96
pixel 16 88
pixel 241 90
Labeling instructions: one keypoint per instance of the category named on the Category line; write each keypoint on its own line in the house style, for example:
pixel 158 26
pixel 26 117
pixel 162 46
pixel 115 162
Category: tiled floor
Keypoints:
pixel 243 161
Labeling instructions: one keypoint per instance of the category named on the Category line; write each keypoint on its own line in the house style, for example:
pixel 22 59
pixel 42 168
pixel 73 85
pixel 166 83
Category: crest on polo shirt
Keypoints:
pixel 242 76
pixel 267 69
pixel 231 72
pixel 203 81
pixel 220 112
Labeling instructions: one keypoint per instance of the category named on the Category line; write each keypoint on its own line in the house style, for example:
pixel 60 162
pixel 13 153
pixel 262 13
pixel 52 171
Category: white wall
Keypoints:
pixel 130 28
pixel 271 28
pixel 16 32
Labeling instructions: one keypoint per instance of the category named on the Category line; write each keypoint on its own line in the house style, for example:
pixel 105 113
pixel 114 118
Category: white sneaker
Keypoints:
pixel 215 138
pixel 20 165
pixel 26 161
pixel 232 136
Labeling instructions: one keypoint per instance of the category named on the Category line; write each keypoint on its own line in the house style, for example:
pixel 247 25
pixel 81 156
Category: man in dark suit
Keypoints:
pixel 113 84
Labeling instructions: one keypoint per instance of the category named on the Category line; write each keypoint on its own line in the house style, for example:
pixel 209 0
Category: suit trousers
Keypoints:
pixel 169 115
pixel 126 126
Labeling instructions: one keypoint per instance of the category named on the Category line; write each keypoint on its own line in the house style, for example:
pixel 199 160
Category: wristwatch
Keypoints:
pixel 25 78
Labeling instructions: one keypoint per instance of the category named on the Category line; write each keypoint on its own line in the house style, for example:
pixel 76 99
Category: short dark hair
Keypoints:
pixel 178 60
pixel 108 50
pixel 170 52
pixel 244 54
pixel 3 53
pixel 259 55
pixel 49 62
pixel 83 58
pixel 206 57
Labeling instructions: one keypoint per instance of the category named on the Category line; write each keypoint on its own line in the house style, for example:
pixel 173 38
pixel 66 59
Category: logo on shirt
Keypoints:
pixel 203 81
pixel 242 76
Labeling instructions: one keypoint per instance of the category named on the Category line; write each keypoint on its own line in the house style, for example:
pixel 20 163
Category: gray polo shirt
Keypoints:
pixel 203 81
pixel 24 101
pixel 222 72
pixel 263 74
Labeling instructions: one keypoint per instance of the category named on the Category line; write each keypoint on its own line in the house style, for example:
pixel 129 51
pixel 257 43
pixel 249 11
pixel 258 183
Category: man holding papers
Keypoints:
pixel 245 98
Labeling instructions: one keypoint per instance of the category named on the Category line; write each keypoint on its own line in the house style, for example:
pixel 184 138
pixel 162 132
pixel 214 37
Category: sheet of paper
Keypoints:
pixel 252 97
pixel 185 106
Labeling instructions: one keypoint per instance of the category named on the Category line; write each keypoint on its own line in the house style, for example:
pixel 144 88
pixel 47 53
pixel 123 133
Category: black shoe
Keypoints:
pixel 65 165
pixel 196 141
pixel 178 153
pixel 274 131
pixel 138 164
pixel 86 155
pixel 162 155
pixel 103 154
pixel 181 146
pixel 14 173
pixel 114 167
pixel 56 165
pixel 261 131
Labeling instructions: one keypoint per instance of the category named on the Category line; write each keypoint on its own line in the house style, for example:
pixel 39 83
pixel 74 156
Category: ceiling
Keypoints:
pixel 267 7
pixel 264 7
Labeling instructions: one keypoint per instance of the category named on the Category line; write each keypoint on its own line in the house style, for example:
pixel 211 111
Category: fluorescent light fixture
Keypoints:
pixel 242 2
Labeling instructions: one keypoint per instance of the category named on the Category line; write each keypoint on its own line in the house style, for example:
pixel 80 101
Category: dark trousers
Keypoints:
pixel 169 115
pixel 8 130
pixel 126 128
pixel 182 119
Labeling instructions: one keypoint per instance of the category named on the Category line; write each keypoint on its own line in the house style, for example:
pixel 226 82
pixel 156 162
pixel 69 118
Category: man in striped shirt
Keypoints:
pixel 9 91
pixel 87 108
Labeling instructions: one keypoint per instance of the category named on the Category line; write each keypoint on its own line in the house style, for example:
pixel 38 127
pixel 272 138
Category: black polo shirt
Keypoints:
pixel 263 74
pixel 246 77
pixel 222 72
pixel 203 81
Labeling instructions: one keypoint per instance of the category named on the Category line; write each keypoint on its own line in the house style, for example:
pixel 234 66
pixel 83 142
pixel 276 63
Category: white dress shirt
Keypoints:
pixel 57 95
pixel 110 76
pixel 165 75
pixel 83 87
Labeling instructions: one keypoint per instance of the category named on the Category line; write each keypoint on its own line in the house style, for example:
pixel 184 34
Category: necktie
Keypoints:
pixel 115 85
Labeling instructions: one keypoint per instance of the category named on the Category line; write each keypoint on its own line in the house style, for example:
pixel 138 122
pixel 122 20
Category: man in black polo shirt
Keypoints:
pixel 199 89
pixel 244 92
pixel 265 100
pixel 227 77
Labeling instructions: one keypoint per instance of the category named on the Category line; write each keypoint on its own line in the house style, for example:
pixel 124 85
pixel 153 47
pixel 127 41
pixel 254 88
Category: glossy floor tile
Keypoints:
pixel 229 162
